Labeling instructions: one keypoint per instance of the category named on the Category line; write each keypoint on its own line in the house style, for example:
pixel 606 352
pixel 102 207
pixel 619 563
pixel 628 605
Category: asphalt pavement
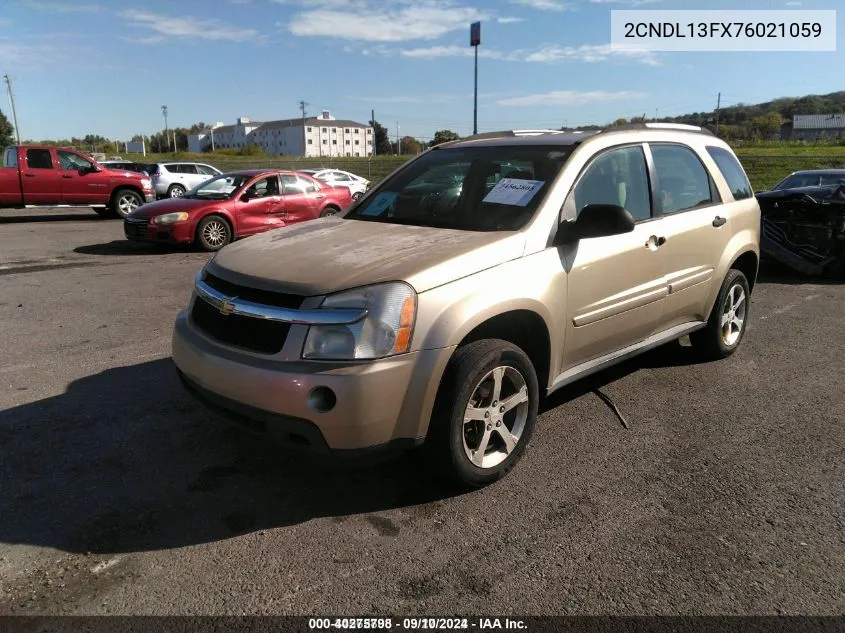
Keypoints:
pixel 119 495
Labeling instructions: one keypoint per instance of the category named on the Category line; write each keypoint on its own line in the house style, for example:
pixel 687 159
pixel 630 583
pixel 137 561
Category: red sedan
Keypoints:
pixel 235 205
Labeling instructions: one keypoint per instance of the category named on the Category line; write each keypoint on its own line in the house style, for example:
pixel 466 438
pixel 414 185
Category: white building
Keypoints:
pixel 312 136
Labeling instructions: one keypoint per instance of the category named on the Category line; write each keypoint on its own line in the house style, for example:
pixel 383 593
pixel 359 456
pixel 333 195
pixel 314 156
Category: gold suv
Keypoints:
pixel 478 277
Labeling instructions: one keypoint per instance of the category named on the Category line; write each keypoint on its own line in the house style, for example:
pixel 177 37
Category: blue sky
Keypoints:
pixel 104 67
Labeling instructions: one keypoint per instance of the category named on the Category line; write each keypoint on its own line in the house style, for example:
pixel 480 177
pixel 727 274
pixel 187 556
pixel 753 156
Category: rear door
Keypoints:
pixel 302 198
pixel 263 209
pixel 696 227
pixel 41 180
pixel 616 289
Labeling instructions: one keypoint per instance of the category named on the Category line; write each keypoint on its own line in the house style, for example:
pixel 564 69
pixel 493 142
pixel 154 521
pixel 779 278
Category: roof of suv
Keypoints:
pixel 562 137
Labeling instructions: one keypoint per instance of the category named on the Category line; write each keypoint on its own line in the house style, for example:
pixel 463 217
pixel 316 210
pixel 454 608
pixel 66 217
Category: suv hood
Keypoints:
pixel 332 254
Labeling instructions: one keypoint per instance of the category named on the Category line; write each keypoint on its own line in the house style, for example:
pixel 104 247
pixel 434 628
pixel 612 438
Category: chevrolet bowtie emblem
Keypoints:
pixel 226 308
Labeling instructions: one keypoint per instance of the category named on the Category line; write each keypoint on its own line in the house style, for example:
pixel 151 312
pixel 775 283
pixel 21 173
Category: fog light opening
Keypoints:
pixel 322 399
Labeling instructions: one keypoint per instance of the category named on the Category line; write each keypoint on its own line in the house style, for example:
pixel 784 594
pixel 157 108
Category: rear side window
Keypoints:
pixel 833 179
pixel 732 172
pixel 207 171
pixel 10 158
pixel 682 180
pixel 189 169
pixel 39 159
pixel 173 169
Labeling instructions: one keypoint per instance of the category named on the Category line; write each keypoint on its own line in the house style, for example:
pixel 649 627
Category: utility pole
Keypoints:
pixel 718 105
pixel 166 129
pixel 398 141
pixel 373 122
pixel 12 103
pixel 475 41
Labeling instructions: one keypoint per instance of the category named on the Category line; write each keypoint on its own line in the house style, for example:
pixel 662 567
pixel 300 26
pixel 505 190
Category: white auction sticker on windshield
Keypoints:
pixel 514 191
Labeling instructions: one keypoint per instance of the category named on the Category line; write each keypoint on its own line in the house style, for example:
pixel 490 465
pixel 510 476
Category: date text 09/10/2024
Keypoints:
pixel 414 624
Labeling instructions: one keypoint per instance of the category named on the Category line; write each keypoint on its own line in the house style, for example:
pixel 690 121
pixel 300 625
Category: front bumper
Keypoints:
pixel 149 196
pixel 142 230
pixel 378 404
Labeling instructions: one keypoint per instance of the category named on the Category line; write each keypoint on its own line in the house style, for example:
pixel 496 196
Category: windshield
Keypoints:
pixel 475 189
pixel 218 188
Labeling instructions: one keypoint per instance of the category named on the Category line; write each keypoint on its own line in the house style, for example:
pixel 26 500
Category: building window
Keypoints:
pixel 325 129
pixel 310 142
pixel 347 141
pixel 325 142
pixel 357 153
pixel 334 141
pixel 346 131
pixel 308 129
pixel 357 142
pixel 357 131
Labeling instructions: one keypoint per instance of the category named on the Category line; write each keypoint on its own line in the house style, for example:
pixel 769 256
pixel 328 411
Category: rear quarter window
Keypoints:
pixel 732 172
pixel 10 157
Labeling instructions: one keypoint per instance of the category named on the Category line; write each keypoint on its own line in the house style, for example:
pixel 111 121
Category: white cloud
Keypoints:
pixel 375 21
pixel 589 53
pixel 586 53
pixel 633 3
pixel 68 6
pixel 507 20
pixel 545 5
pixel 433 52
pixel 571 97
pixel 188 27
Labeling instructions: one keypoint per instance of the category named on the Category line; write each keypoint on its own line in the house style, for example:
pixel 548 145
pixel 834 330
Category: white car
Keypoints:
pixel 172 180
pixel 357 185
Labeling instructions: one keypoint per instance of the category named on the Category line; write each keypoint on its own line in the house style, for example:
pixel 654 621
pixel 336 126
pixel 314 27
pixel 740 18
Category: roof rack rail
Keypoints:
pixel 655 125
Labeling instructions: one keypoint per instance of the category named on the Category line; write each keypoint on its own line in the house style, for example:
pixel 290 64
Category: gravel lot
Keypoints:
pixel 117 495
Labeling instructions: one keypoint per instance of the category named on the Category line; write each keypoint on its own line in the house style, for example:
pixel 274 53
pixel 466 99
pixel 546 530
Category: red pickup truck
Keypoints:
pixel 36 175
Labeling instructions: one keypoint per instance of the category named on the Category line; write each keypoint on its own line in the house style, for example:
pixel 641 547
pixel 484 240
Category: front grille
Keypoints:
pixel 265 297
pixel 137 229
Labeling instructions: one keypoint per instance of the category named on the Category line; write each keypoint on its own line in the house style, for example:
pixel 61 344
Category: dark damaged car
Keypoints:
pixel 803 228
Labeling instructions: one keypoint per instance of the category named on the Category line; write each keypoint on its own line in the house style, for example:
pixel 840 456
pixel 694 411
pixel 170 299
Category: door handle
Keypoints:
pixel 319 196
pixel 29 175
pixel 718 221
pixel 66 176
pixel 661 241
pixel 655 242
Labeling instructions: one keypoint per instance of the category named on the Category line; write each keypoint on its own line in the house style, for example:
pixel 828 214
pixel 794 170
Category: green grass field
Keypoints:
pixel 766 163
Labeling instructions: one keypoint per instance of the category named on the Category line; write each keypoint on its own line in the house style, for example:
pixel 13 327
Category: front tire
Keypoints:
pixel 484 414
pixel 213 233
pixel 728 320
pixel 125 201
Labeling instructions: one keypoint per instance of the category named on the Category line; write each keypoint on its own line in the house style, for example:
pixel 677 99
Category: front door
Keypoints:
pixel 616 289
pixel 81 188
pixel 41 181
pixel 260 207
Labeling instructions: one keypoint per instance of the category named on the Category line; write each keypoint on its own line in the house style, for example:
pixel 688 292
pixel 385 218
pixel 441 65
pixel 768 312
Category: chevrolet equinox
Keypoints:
pixel 479 276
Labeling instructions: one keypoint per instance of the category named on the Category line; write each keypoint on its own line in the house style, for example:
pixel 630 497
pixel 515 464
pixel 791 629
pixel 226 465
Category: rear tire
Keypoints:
pixel 466 442
pixel 175 191
pixel 213 233
pixel 728 320
pixel 125 201
pixel 329 211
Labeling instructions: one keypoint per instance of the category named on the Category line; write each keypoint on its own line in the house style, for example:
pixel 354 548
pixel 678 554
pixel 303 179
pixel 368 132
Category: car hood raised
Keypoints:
pixel 332 254
pixel 172 205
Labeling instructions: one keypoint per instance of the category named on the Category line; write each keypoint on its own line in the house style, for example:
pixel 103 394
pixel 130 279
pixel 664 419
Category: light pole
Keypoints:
pixel 166 129
pixel 14 113
pixel 475 41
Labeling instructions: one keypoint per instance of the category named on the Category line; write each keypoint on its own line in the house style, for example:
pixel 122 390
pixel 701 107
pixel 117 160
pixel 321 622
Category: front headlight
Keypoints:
pixel 146 183
pixel 385 331
pixel 170 218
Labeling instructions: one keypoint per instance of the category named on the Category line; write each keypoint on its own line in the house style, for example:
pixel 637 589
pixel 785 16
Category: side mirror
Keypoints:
pixel 90 169
pixel 244 197
pixel 597 220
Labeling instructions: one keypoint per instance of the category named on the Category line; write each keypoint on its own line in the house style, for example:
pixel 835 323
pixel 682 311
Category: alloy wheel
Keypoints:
pixel 495 417
pixel 127 203
pixel 214 233
pixel 733 315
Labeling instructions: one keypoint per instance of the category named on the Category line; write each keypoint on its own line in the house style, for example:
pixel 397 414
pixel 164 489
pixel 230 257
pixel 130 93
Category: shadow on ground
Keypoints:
pixel 126 247
pixel 41 216
pixel 773 272
pixel 125 461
